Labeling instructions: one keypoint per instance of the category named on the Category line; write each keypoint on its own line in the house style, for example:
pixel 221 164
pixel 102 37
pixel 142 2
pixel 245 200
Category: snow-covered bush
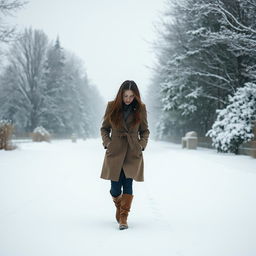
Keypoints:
pixel 234 124
pixel 40 134
pixel 6 129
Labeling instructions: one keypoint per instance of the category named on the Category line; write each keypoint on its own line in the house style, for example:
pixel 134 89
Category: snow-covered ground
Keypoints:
pixel 193 203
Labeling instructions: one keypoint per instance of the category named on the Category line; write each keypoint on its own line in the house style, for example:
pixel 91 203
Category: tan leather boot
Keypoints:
pixel 117 201
pixel 125 207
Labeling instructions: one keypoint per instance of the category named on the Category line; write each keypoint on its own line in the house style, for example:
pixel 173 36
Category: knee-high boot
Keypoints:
pixel 117 202
pixel 125 207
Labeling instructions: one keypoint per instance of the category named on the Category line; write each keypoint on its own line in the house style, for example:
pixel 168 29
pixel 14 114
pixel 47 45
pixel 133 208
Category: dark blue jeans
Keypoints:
pixel 116 186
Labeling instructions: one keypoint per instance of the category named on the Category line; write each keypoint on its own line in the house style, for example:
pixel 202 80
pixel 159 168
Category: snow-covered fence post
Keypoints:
pixel 190 140
pixel 73 137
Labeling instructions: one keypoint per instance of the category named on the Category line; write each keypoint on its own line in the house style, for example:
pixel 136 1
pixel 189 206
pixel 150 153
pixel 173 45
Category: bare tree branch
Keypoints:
pixel 226 13
pixel 7 7
pixel 251 3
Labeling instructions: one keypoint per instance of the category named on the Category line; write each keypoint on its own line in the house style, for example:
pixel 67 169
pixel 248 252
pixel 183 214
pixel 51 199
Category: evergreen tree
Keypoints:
pixel 201 61
pixel 47 86
pixel 234 124
pixel 54 89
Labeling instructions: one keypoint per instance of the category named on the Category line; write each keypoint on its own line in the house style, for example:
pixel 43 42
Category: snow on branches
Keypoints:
pixel 234 124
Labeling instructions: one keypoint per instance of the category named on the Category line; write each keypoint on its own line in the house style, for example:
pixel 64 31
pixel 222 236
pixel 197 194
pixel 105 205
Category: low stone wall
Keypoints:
pixel 248 148
pixel 205 142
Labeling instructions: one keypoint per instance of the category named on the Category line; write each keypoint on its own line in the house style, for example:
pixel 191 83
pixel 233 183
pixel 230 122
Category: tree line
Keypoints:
pixel 42 84
pixel 205 51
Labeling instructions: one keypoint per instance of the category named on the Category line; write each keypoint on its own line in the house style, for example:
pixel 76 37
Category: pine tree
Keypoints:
pixel 54 80
pixel 47 86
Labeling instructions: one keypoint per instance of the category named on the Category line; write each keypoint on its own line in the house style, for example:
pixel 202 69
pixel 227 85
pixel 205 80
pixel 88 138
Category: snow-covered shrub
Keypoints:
pixel 6 129
pixel 234 124
pixel 40 134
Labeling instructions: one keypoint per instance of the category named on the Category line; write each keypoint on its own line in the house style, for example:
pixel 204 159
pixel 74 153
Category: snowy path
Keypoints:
pixel 193 203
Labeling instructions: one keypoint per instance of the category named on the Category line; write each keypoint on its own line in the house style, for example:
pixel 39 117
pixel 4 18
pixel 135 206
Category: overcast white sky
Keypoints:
pixel 111 36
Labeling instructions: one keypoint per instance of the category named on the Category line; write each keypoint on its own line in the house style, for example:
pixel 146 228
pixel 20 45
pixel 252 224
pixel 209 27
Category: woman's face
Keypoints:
pixel 128 97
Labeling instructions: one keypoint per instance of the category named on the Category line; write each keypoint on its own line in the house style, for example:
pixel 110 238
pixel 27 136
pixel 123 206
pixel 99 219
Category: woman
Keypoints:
pixel 125 135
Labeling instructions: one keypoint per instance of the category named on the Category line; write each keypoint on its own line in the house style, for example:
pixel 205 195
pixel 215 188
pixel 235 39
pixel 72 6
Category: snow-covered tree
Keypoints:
pixel 54 102
pixel 235 123
pixel 22 79
pixel 154 106
pixel 45 85
pixel 183 72
pixel 70 102
pixel 206 50
pixel 76 116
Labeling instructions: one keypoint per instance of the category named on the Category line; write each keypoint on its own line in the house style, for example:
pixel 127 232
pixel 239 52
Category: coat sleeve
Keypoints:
pixel 143 128
pixel 106 129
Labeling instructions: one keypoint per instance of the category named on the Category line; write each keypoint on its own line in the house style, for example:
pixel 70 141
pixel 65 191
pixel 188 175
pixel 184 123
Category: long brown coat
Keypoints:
pixel 124 147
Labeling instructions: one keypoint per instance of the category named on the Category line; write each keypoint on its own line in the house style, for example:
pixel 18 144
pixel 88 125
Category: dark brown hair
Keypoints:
pixel 115 113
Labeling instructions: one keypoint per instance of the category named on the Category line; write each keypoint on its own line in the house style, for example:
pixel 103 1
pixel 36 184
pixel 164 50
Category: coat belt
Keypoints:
pixel 129 135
